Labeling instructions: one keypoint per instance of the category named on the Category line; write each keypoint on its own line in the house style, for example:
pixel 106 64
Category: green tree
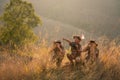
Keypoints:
pixel 19 19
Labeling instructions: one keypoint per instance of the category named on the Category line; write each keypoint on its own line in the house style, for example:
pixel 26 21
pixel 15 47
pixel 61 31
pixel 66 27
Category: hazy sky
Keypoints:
pixel 77 12
pixel 97 15
pixel 81 11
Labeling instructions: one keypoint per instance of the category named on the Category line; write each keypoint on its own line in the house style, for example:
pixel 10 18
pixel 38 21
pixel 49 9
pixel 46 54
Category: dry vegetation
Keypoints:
pixel 33 63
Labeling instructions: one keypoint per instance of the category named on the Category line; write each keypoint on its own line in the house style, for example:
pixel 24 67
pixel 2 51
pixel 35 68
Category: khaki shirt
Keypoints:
pixel 75 48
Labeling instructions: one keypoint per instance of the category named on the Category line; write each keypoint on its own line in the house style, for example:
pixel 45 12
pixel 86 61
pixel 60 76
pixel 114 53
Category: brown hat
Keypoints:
pixel 78 37
pixel 57 41
pixel 91 41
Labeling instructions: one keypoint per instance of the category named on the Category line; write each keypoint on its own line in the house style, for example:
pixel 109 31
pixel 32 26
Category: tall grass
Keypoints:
pixel 33 63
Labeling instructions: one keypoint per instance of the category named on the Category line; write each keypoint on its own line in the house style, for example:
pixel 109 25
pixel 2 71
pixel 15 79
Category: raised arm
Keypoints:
pixel 61 50
pixel 67 40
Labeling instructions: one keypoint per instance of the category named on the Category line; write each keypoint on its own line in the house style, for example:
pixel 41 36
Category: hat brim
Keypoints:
pixel 58 42
pixel 93 42
pixel 76 37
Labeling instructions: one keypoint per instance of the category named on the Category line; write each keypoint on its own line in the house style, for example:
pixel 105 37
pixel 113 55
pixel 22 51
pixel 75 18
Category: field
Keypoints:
pixel 33 63
pixel 26 38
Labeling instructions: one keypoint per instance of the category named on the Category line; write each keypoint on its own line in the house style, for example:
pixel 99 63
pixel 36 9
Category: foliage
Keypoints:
pixel 19 19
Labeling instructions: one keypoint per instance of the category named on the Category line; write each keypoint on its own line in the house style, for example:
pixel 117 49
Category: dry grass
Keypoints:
pixel 34 64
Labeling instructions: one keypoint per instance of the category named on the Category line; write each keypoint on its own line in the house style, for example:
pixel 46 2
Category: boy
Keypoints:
pixel 58 53
pixel 75 49
pixel 92 51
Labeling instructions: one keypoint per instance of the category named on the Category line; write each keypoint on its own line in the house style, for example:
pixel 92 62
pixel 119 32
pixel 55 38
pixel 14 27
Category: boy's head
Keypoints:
pixel 77 39
pixel 57 42
pixel 93 43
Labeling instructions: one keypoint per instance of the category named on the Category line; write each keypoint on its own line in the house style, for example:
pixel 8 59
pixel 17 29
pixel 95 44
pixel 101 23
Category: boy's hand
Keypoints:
pixel 58 45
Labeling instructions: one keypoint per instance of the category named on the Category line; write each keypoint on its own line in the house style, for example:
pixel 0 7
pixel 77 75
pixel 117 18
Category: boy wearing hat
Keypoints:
pixel 92 51
pixel 58 52
pixel 75 49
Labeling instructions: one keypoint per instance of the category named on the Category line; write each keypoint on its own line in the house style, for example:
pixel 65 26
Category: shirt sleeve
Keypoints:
pixel 72 44
pixel 86 49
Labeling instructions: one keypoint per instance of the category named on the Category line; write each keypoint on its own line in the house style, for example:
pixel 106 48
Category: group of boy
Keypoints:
pixel 76 49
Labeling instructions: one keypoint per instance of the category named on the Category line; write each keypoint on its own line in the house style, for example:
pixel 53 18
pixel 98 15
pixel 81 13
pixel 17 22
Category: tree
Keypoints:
pixel 19 19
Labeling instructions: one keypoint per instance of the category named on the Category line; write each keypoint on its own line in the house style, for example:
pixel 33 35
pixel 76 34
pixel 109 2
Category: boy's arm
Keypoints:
pixel 97 54
pixel 67 40
pixel 85 49
pixel 61 49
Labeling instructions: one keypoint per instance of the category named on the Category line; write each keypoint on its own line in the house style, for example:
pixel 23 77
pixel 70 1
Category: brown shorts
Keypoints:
pixel 72 56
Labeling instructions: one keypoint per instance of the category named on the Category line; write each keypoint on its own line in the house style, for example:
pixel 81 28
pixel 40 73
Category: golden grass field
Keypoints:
pixel 33 63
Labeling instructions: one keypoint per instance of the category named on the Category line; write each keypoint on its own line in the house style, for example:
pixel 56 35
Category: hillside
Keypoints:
pixel 52 30
pixel 91 15
pixel 24 57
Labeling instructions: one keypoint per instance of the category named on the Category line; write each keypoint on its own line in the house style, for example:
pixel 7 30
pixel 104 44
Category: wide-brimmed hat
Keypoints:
pixel 92 41
pixel 78 37
pixel 57 41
